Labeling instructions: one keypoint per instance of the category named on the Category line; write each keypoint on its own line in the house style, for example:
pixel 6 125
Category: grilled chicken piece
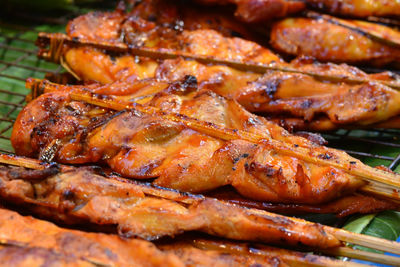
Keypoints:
pixel 255 11
pixel 148 146
pixel 78 195
pixel 32 241
pixel 275 95
pixel 358 8
pixel 136 32
pixel 301 102
pixel 330 42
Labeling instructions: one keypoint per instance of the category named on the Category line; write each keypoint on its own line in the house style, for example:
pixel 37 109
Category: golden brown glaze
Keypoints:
pixel 79 195
pixel 137 32
pixel 289 96
pixel 254 11
pixel 358 8
pixel 41 243
pixel 147 146
pixel 329 42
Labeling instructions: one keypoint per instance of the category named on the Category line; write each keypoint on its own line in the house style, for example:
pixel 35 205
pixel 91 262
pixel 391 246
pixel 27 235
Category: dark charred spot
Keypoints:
pixel 68 195
pixel 255 167
pixel 270 87
pixel 353 162
pixel 325 156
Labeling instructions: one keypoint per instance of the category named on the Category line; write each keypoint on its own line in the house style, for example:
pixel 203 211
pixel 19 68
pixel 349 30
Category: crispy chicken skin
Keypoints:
pixel 330 42
pixel 358 8
pixel 147 146
pixel 79 195
pixel 255 11
pixel 38 241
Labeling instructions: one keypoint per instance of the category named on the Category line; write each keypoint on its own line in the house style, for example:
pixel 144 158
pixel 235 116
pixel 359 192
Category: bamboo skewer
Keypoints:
pixel 259 250
pixel 363 255
pixel 56 42
pixel 339 234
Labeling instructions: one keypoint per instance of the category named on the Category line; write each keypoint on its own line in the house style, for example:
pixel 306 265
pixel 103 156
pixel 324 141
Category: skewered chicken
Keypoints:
pixel 328 41
pixel 26 241
pixel 147 146
pixel 30 241
pixel 260 10
pixel 79 195
pixel 276 94
pixel 358 8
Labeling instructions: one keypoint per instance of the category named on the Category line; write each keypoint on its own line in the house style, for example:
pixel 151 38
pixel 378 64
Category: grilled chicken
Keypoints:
pixel 358 8
pixel 78 195
pixel 27 241
pixel 275 95
pixel 300 102
pixel 256 11
pixel 148 146
pixel 327 41
pixel 31 242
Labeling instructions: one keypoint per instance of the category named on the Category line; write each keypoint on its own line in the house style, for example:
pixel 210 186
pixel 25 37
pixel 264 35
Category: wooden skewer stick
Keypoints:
pixel 57 40
pixel 363 255
pixel 290 257
pixel 339 234
pixel 316 156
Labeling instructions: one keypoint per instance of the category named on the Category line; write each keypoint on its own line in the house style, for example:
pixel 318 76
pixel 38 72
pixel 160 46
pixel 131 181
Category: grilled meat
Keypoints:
pixel 32 241
pixel 255 11
pixel 301 102
pixel 358 8
pixel 27 241
pixel 78 195
pixel 330 42
pixel 147 146
pixel 275 95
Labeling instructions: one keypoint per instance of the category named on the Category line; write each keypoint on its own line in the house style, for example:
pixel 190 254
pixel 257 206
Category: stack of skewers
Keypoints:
pixel 170 128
